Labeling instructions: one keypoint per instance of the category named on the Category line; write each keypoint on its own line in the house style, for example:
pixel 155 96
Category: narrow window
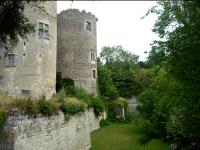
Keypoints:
pixel 94 73
pixel 43 30
pixel 25 93
pixel 10 60
pixel 46 31
pixel 88 26
pixel 92 55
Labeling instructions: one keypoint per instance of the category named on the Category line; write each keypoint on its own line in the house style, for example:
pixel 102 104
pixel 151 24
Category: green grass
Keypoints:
pixel 121 136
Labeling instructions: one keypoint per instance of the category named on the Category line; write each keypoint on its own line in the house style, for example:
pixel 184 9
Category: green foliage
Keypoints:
pixel 104 122
pixel 118 54
pixel 113 109
pixel 175 115
pixel 72 108
pixel 13 23
pixel 67 89
pixel 129 117
pixel 31 108
pixel 147 98
pixel 116 76
pixel 64 83
pixel 81 94
pixel 106 87
pixel 45 107
pixel 3 117
pixel 98 106
pixel 120 101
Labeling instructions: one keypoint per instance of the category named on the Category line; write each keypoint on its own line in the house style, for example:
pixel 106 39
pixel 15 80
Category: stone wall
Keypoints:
pixel 53 133
pixel 132 104
pixel 77 48
pixel 34 69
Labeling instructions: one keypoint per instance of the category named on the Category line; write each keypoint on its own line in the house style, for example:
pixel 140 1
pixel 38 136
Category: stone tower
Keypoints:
pixel 77 48
pixel 29 69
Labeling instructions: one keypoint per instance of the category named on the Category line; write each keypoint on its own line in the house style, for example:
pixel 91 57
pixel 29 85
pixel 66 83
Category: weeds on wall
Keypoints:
pixel 69 99
pixel 66 88
pixel 3 117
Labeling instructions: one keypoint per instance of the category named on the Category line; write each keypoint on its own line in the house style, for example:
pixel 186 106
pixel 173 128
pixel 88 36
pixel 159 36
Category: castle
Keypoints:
pixel 64 43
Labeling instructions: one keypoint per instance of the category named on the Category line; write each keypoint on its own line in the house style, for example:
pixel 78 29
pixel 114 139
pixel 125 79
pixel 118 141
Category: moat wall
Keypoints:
pixel 49 133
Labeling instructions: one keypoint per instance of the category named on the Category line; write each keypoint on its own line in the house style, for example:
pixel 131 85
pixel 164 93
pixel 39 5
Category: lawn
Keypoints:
pixel 121 136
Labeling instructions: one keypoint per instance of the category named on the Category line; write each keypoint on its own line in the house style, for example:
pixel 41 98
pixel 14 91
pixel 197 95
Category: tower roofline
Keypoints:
pixel 75 11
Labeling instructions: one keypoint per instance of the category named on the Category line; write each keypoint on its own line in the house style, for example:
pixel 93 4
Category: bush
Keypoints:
pixel 3 117
pixel 63 82
pixel 129 116
pixel 72 106
pixel 31 108
pixel 148 99
pixel 45 107
pixel 83 95
pixel 114 107
pixel 98 106
pixel 104 122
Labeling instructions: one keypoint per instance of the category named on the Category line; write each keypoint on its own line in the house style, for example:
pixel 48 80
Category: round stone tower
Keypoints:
pixel 77 48
pixel 29 69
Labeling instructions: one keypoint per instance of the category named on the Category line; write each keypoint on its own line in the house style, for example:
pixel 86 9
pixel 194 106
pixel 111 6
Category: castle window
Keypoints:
pixel 1 78
pixel 40 30
pixel 10 60
pixel 88 26
pixel 25 93
pixel 94 74
pixel 46 31
pixel 43 30
pixel 92 55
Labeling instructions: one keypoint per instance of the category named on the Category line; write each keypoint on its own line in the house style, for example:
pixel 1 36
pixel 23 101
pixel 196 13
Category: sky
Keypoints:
pixel 120 23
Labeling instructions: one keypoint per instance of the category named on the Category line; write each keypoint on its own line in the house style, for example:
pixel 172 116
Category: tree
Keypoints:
pixel 120 63
pixel 13 22
pixel 117 54
pixel 178 25
pixel 105 83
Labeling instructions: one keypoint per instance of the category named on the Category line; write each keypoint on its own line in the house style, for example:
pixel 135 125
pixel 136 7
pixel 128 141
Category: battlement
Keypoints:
pixel 78 12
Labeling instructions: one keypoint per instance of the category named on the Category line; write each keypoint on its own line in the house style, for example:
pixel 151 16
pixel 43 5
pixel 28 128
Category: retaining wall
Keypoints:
pixel 49 133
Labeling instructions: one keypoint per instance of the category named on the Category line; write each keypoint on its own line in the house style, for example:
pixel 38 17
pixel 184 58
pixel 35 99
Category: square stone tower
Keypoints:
pixel 77 48
pixel 29 69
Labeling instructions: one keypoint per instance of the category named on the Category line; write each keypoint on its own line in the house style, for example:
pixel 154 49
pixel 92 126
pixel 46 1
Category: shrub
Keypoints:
pixel 72 106
pixel 129 116
pixel 5 101
pixel 3 117
pixel 83 95
pixel 98 106
pixel 45 107
pixel 148 99
pixel 31 108
pixel 19 104
pixel 114 107
pixel 104 122
pixel 63 82
pixel 120 101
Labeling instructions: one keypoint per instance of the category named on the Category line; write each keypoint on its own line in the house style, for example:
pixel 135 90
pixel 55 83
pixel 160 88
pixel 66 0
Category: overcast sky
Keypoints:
pixel 119 23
